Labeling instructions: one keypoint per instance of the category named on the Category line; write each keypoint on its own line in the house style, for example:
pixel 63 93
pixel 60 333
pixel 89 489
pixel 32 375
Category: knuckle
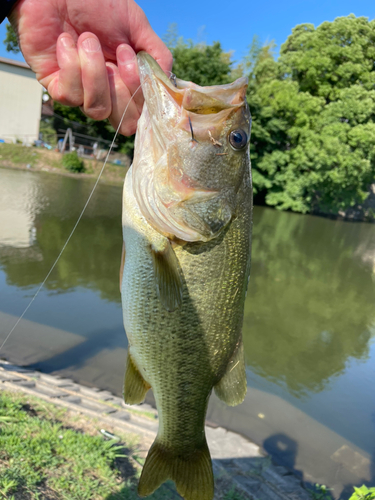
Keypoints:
pixel 97 112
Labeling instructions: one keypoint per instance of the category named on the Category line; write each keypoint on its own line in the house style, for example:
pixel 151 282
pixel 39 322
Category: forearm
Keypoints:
pixel 5 7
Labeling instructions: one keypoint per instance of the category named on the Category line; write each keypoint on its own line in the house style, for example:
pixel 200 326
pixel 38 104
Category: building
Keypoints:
pixel 20 102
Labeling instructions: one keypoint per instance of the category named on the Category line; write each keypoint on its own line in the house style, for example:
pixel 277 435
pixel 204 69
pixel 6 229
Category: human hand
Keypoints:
pixel 84 53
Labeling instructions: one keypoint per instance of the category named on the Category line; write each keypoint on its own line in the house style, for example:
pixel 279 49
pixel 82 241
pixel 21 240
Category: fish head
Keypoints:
pixel 191 153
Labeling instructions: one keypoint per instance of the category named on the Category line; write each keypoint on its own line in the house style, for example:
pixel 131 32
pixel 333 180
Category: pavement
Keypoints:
pixel 236 460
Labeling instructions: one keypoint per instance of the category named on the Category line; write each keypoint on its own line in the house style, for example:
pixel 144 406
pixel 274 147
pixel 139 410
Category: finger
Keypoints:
pixel 96 99
pixel 120 97
pixel 66 87
pixel 128 68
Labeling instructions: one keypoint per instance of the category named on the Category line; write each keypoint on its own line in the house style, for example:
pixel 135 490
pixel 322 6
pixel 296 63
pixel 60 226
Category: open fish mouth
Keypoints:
pixel 183 184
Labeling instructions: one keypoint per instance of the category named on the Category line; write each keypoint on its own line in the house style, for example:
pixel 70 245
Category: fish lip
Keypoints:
pixel 232 95
pixel 148 67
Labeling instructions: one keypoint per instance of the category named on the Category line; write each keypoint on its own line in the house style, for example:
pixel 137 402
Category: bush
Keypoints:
pixel 73 163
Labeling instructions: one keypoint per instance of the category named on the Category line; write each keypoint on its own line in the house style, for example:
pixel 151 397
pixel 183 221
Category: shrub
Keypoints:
pixel 73 163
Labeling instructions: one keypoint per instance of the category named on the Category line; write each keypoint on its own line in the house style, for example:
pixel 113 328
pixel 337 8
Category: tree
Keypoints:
pixel 314 109
pixel 198 62
pixel 11 41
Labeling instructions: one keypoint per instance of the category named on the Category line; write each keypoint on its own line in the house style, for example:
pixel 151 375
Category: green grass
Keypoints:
pixel 18 154
pixel 42 456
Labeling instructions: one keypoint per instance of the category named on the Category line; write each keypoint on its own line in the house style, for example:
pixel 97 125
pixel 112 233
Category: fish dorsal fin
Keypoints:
pixel 168 274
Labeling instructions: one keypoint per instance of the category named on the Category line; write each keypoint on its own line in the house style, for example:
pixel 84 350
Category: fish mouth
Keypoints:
pixel 189 96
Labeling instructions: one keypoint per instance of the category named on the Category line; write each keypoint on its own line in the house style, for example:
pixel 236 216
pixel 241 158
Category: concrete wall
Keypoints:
pixel 20 103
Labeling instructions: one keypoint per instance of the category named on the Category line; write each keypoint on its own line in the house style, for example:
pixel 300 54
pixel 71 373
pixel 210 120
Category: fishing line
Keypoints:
pixel 75 226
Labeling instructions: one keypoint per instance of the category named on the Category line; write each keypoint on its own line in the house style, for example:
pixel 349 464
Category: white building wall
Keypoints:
pixel 20 103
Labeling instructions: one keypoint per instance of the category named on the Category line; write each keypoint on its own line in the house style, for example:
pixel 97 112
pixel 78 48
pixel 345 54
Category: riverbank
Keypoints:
pixel 20 157
pixel 242 470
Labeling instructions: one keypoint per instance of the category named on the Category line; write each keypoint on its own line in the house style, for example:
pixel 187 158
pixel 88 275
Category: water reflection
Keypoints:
pixel 311 299
pixel 311 296
pixel 91 259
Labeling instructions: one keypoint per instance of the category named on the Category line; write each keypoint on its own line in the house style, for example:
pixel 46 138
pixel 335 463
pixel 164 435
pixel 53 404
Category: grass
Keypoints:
pixel 18 154
pixel 45 453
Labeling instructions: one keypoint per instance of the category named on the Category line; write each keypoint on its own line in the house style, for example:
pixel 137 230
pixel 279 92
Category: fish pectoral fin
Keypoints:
pixel 168 275
pixel 135 386
pixel 192 474
pixel 232 386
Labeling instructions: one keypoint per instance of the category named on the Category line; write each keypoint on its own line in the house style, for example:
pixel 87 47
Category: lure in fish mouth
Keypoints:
pixel 187 214
pixel 186 126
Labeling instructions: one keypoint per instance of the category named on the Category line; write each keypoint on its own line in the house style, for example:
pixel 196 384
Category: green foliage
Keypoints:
pixel 47 131
pixel 73 162
pixel 321 492
pixel 313 140
pixel 202 64
pixel 11 41
pixel 363 493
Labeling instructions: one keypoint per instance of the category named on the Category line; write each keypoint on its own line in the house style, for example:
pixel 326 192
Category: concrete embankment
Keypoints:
pixel 235 459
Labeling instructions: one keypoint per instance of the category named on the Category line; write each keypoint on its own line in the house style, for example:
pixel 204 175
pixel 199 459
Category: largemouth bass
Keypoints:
pixel 187 212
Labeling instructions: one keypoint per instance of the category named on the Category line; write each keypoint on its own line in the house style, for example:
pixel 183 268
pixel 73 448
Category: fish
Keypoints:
pixel 186 220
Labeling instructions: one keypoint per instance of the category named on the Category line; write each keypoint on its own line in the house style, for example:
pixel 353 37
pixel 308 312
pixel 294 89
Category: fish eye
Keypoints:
pixel 238 139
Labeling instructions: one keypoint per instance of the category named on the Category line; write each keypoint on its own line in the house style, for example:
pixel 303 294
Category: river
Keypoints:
pixel 309 324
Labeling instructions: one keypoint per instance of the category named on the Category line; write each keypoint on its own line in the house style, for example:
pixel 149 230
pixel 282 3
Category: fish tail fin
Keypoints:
pixel 192 474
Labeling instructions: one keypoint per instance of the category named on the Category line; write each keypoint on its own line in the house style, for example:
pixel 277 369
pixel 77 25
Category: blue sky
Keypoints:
pixel 234 23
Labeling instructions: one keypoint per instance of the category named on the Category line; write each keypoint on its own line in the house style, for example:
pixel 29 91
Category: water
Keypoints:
pixel 309 322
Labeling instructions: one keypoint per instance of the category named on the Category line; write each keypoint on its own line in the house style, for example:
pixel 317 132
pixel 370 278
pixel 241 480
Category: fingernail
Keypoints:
pixel 125 55
pixel 91 45
pixel 67 42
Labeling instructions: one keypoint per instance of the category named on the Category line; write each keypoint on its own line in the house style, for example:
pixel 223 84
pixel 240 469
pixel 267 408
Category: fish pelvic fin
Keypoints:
pixel 167 275
pixel 233 386
pixel 192 473
pixel 135 386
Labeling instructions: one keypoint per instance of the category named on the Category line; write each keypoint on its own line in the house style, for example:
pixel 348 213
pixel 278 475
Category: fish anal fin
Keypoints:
pixel 168 275
pixel 192 473
pixel 135 386
pixel 122 263
pixel 232 386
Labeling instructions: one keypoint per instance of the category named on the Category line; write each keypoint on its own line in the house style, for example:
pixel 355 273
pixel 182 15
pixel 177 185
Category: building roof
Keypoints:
pixel 12 62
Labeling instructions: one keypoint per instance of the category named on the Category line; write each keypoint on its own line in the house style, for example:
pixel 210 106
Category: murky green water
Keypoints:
pixel 308 330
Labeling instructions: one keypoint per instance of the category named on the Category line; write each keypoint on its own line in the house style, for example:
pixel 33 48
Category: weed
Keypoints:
pixel 363 493
pixel 73 162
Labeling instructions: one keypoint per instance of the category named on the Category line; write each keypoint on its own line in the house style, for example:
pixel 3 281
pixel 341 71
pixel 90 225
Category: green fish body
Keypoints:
pixel 186 268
